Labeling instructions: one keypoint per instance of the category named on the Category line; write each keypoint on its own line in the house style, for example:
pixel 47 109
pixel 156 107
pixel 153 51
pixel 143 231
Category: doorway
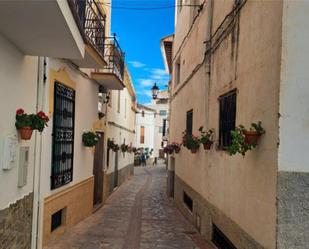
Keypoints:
pixel 98 171
pixel 116 170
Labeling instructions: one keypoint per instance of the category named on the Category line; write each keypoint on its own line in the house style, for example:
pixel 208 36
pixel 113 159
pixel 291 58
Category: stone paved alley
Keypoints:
pixel 137 216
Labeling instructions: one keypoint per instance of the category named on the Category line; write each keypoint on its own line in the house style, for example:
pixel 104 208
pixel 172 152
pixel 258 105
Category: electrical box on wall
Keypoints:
pixel 10 152
pixel 23 166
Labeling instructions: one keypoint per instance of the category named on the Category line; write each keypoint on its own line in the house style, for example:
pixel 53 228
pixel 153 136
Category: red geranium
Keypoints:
pixel 20 111
pixel 43 116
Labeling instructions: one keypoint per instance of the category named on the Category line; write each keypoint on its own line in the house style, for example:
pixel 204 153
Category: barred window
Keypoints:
pixel 227 118
pixel 189 122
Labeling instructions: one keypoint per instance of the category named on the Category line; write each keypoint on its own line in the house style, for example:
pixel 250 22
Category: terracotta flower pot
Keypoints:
pixel 25 133
pixel 194 150
pixel 207 146
pixel 251 137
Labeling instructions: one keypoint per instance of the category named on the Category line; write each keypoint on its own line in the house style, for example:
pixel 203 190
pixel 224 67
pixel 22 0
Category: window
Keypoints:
pixel 142 136
pixel 164 127
pixel 118 101
pixel 220 239
pixel 177 72
pixel 160 129
pixel 227 118
pixel 188 201
pixel 162 112
pixel 63 136
pixel 189 122
pixel 56 220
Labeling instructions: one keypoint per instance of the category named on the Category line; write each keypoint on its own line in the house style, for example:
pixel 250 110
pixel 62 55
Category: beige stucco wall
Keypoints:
pixel 18 89
pixel 244 189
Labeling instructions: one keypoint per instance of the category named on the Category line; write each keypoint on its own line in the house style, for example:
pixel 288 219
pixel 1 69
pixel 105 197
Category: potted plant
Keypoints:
pixel 115 147
pixel 124 147
pixel 90 138
pixel 191 142
pixel 206 138
pixel 254 133
pixel 26 123
pixel 23 124
pixel 176 147
pixel 241 143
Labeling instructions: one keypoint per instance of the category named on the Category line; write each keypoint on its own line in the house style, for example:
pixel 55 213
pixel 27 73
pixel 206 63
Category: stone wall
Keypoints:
pixel 16 224
pixel 293 206
pixel 204 215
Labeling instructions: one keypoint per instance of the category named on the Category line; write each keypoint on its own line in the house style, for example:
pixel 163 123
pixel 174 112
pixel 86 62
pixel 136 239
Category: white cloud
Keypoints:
pixel 146 82
pixel 159 71
pixel 137 64
pixel 144 92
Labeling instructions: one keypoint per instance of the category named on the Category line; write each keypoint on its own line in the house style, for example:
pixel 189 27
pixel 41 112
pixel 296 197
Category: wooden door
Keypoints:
pixel 98 171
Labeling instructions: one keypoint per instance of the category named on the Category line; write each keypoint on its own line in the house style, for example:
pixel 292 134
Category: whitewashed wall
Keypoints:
pixel 86 102
pixel 18 89
pixel 148 122
pixel 294 88
pixel 126 119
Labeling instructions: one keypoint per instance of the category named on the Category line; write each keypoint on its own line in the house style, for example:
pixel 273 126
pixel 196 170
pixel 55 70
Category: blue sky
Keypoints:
pixel 139 33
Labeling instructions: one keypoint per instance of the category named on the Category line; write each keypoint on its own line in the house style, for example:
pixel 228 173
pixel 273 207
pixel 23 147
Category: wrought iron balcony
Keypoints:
pixel 114 57
pixel 112 75
pixel 91 22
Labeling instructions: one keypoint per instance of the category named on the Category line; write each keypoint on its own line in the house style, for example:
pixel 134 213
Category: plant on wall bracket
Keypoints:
pixel 206 137
pixel 244 140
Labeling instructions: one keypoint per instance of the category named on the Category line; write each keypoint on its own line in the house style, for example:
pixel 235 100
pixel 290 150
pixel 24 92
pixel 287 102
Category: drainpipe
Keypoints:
pixel 208 45
pixel 41 88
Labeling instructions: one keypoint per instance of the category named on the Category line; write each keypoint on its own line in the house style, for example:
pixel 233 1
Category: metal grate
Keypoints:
pixel 56 220
pixel 188 201
pixel 227 118
pixel 63 136
pixel 189 122
pixel 220 240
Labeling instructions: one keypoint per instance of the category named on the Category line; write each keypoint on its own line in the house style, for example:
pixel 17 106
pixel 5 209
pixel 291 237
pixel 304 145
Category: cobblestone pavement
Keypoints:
pixel 137 216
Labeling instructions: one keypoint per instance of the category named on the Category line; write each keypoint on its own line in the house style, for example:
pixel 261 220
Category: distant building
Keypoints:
pixel 152 125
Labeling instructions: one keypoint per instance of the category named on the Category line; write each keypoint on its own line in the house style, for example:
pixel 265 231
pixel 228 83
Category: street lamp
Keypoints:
pixel 155 91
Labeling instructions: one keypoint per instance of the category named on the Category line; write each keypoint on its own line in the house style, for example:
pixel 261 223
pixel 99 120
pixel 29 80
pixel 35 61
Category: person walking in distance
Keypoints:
pixel 143 159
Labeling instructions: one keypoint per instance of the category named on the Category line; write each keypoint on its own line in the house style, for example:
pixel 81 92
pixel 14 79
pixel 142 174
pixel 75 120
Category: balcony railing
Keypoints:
pixel 91 22
pixel 114 57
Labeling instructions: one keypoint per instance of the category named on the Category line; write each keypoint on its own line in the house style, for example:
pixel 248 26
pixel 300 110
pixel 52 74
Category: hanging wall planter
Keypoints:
pixel 25 133
pixel 244 140
pixel 206 138
pixel 27 123
pixel 90 138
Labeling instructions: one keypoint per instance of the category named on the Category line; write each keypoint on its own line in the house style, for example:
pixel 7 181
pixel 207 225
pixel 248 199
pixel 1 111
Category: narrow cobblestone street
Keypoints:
pixel 137 216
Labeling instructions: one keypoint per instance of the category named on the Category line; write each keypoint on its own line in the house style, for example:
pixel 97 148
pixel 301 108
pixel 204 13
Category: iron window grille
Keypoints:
pixel 227 118
pixel 91 22
pixel 63 136
pixel 189 122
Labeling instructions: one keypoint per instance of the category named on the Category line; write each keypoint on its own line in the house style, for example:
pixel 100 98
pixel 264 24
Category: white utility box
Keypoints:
pixel 23 166
pixel 10 152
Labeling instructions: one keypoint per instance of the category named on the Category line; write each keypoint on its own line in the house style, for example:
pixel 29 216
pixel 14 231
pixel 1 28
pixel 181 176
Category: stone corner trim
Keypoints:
pixel 293 210
pixel 16 224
